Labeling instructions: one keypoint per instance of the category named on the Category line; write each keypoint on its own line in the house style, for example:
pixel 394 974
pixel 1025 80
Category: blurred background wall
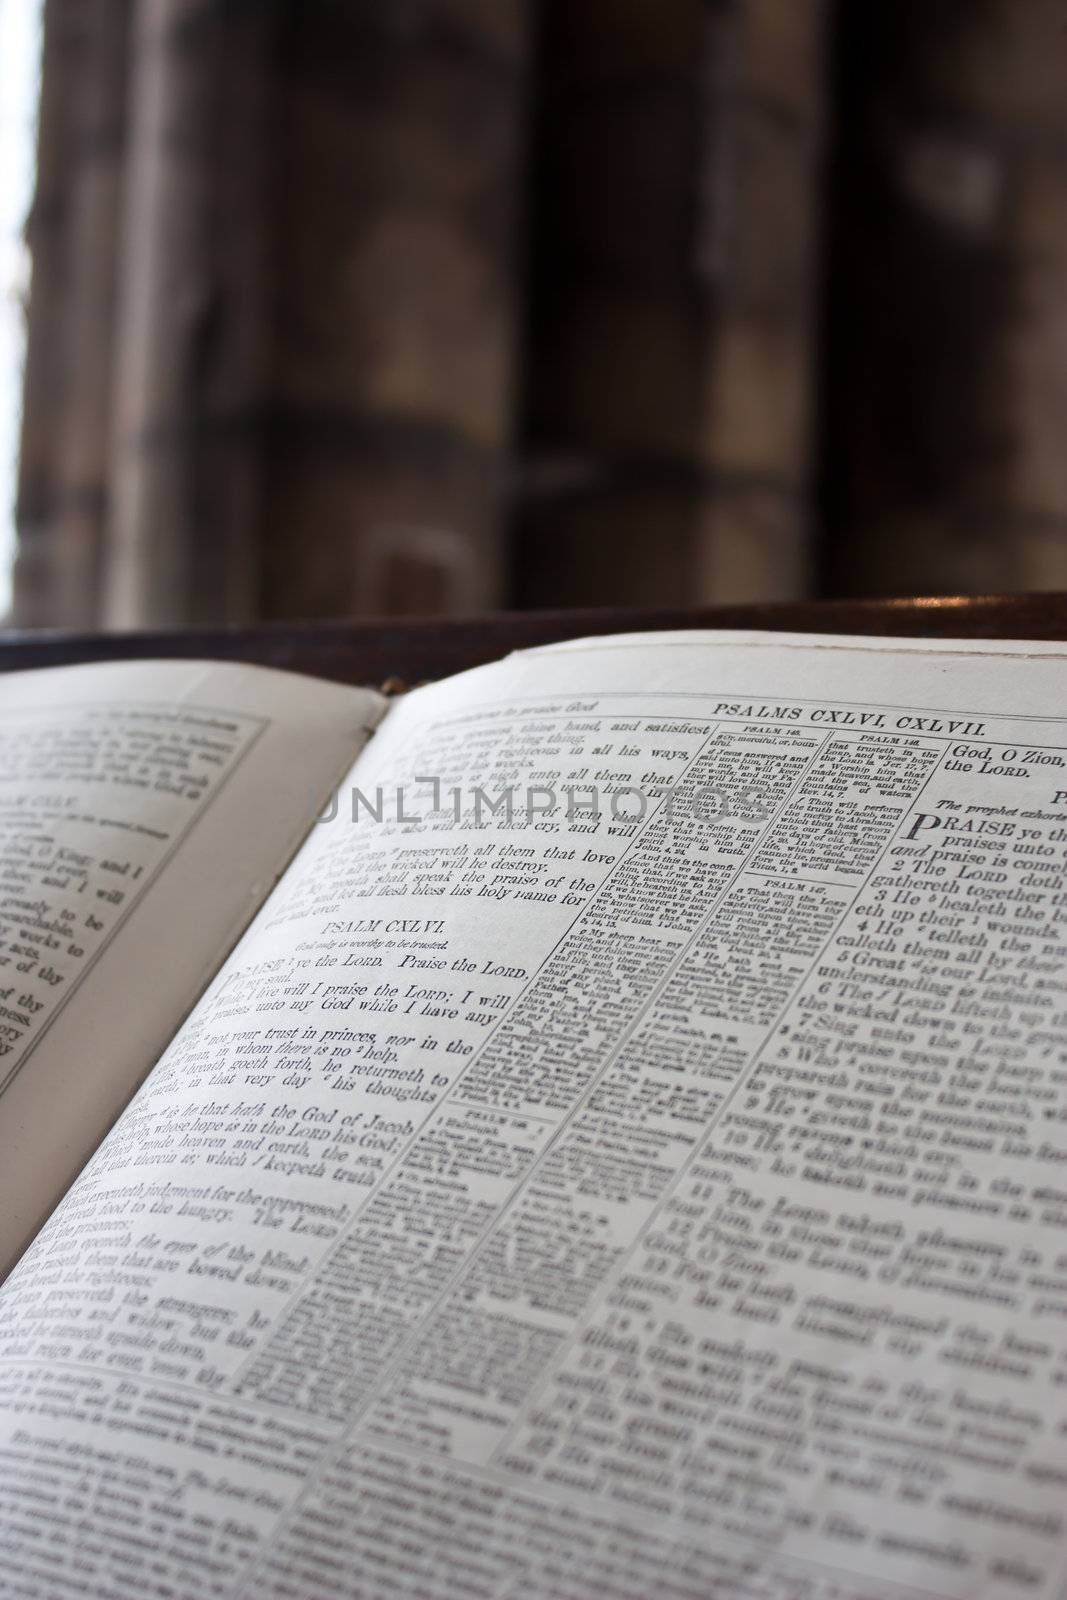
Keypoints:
pixel 343 307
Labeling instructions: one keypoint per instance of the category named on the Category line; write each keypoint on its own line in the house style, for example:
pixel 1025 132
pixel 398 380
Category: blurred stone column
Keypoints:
pixel 185 513
pixel 675 299
pixel 947 397
pixel 72 233
pixel 398 176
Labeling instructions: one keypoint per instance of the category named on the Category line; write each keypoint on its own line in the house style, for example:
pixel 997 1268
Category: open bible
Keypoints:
pixel 592 1126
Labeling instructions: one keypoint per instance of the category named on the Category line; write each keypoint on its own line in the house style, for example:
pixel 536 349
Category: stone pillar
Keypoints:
pixel 675 297
pixel 947 392
pixel 72 233
pixel 398 174
pixel 187 449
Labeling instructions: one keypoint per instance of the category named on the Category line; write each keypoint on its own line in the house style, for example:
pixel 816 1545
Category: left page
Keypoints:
pixel 145 811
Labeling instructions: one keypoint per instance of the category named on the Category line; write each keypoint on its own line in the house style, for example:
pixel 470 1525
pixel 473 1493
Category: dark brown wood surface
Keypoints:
pixel 374 650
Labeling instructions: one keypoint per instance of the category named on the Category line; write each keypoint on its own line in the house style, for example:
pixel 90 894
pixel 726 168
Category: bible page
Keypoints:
pixel 626 1155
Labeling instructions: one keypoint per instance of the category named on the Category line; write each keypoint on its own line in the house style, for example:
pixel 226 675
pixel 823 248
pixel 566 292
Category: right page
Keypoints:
pixel 625 1156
